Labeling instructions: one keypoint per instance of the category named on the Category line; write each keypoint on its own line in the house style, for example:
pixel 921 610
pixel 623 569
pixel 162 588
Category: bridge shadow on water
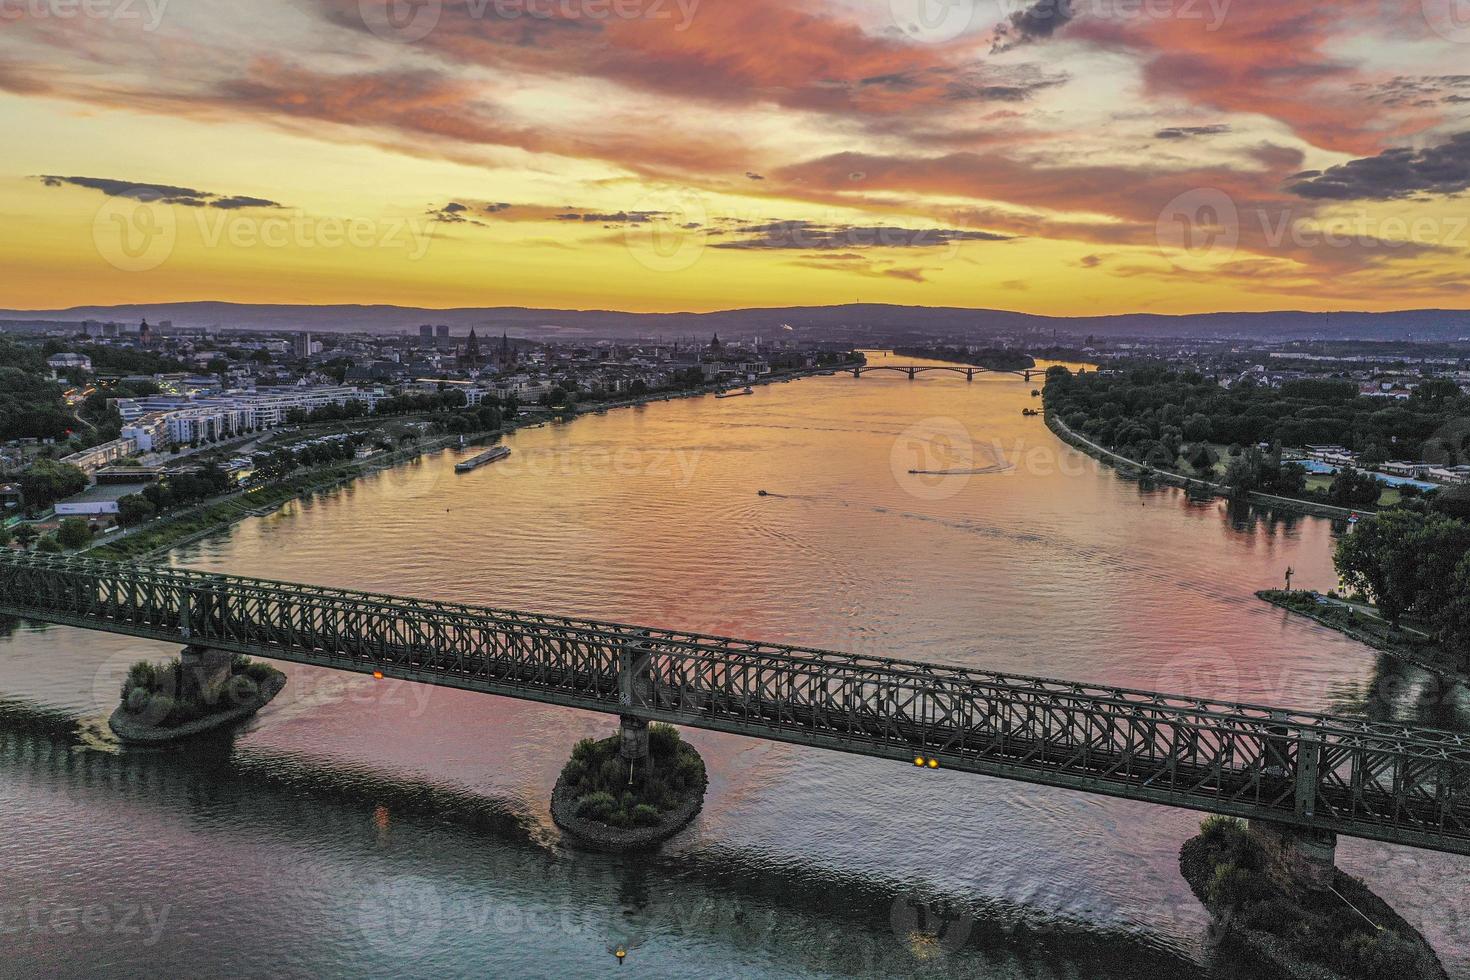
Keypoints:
pixel 339 841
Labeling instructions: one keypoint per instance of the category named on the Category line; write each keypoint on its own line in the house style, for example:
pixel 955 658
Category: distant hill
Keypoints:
pixel 853 322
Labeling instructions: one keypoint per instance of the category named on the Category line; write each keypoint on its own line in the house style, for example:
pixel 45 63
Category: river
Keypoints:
pixel 362 828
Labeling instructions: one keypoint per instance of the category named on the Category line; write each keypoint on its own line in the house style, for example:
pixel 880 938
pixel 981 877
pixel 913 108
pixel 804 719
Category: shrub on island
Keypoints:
pixel 156 694
pixel 606 789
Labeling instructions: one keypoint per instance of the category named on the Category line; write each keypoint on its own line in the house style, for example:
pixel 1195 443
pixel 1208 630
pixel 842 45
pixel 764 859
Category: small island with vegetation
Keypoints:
pixel 608 803
pixel 205 691
pixel 1344 931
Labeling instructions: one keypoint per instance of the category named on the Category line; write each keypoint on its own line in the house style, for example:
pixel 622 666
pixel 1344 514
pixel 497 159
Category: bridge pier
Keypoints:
pixel 1299 860
pixel 912 374
pixel 203 672
pixel 635 686
pixel 970 375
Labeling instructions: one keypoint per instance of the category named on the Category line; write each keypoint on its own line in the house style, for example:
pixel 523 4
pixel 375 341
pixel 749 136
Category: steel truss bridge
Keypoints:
pixel 968 370
pixel 1315 772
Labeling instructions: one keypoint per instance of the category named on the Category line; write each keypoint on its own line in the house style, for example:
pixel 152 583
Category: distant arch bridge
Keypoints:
pixel 968 370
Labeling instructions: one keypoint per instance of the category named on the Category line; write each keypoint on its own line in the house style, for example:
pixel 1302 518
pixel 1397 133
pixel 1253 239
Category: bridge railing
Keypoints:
pixel 1357 776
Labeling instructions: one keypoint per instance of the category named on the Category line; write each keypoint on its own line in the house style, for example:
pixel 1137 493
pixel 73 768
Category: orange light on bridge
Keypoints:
pixel 919 761
pixel 377 675
pixel 933 763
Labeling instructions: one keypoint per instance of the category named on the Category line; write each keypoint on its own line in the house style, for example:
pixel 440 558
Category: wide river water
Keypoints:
pixel 361 828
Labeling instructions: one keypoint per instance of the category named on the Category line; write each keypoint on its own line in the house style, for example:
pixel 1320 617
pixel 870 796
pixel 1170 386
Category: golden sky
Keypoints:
pixel 1053 156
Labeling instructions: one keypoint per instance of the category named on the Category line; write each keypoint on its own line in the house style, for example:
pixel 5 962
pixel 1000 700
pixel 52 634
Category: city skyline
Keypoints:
pixel 648 155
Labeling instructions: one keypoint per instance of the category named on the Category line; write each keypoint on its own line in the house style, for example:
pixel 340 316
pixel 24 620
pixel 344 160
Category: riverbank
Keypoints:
pixel 1345 932
pixel 156 538
pixel 1361 623
pixel 1136 470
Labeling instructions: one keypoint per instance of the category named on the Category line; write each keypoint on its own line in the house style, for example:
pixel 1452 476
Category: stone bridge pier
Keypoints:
pixel 1299 860
pixel 203 672
pixel 635 686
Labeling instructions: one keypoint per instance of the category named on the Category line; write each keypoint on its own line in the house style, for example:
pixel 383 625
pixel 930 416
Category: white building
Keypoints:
pixel 69 362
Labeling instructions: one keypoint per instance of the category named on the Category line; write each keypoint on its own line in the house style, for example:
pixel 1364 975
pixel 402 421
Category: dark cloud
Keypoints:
pixel 752 175
pixel 1416 91
pixel 1036 23
pixel 453 213
pixel 1190 132
pixel 1090 261
pixel 613 218
pixel 810 236
pixel 1013 83
pixel 497 207
pixel 159 193
pixel 965 92
pixel 238 201
pixel 1396 173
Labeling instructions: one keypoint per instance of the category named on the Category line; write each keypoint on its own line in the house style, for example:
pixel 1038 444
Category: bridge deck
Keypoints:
pixel 1384 781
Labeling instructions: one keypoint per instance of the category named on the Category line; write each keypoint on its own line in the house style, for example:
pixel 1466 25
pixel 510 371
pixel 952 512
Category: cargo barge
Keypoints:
pixel 490 456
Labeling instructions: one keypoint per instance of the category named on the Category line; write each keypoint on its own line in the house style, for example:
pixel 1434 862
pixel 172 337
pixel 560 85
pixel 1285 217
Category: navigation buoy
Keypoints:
pixel 763 493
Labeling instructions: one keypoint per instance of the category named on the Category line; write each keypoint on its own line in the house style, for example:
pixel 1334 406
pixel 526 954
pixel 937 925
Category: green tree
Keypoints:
pixel 48 481
pixel 1453 501
pixel 1352 488
pixel 26 535
pixel 74 533
pixel 1203 459
pixel 134 509
pixel 1243 474
pixel 49 545
pixel 5 536
pixel 1379 560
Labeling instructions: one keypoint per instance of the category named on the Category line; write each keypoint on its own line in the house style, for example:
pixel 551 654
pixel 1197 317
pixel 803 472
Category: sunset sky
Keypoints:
pixel 1096 156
